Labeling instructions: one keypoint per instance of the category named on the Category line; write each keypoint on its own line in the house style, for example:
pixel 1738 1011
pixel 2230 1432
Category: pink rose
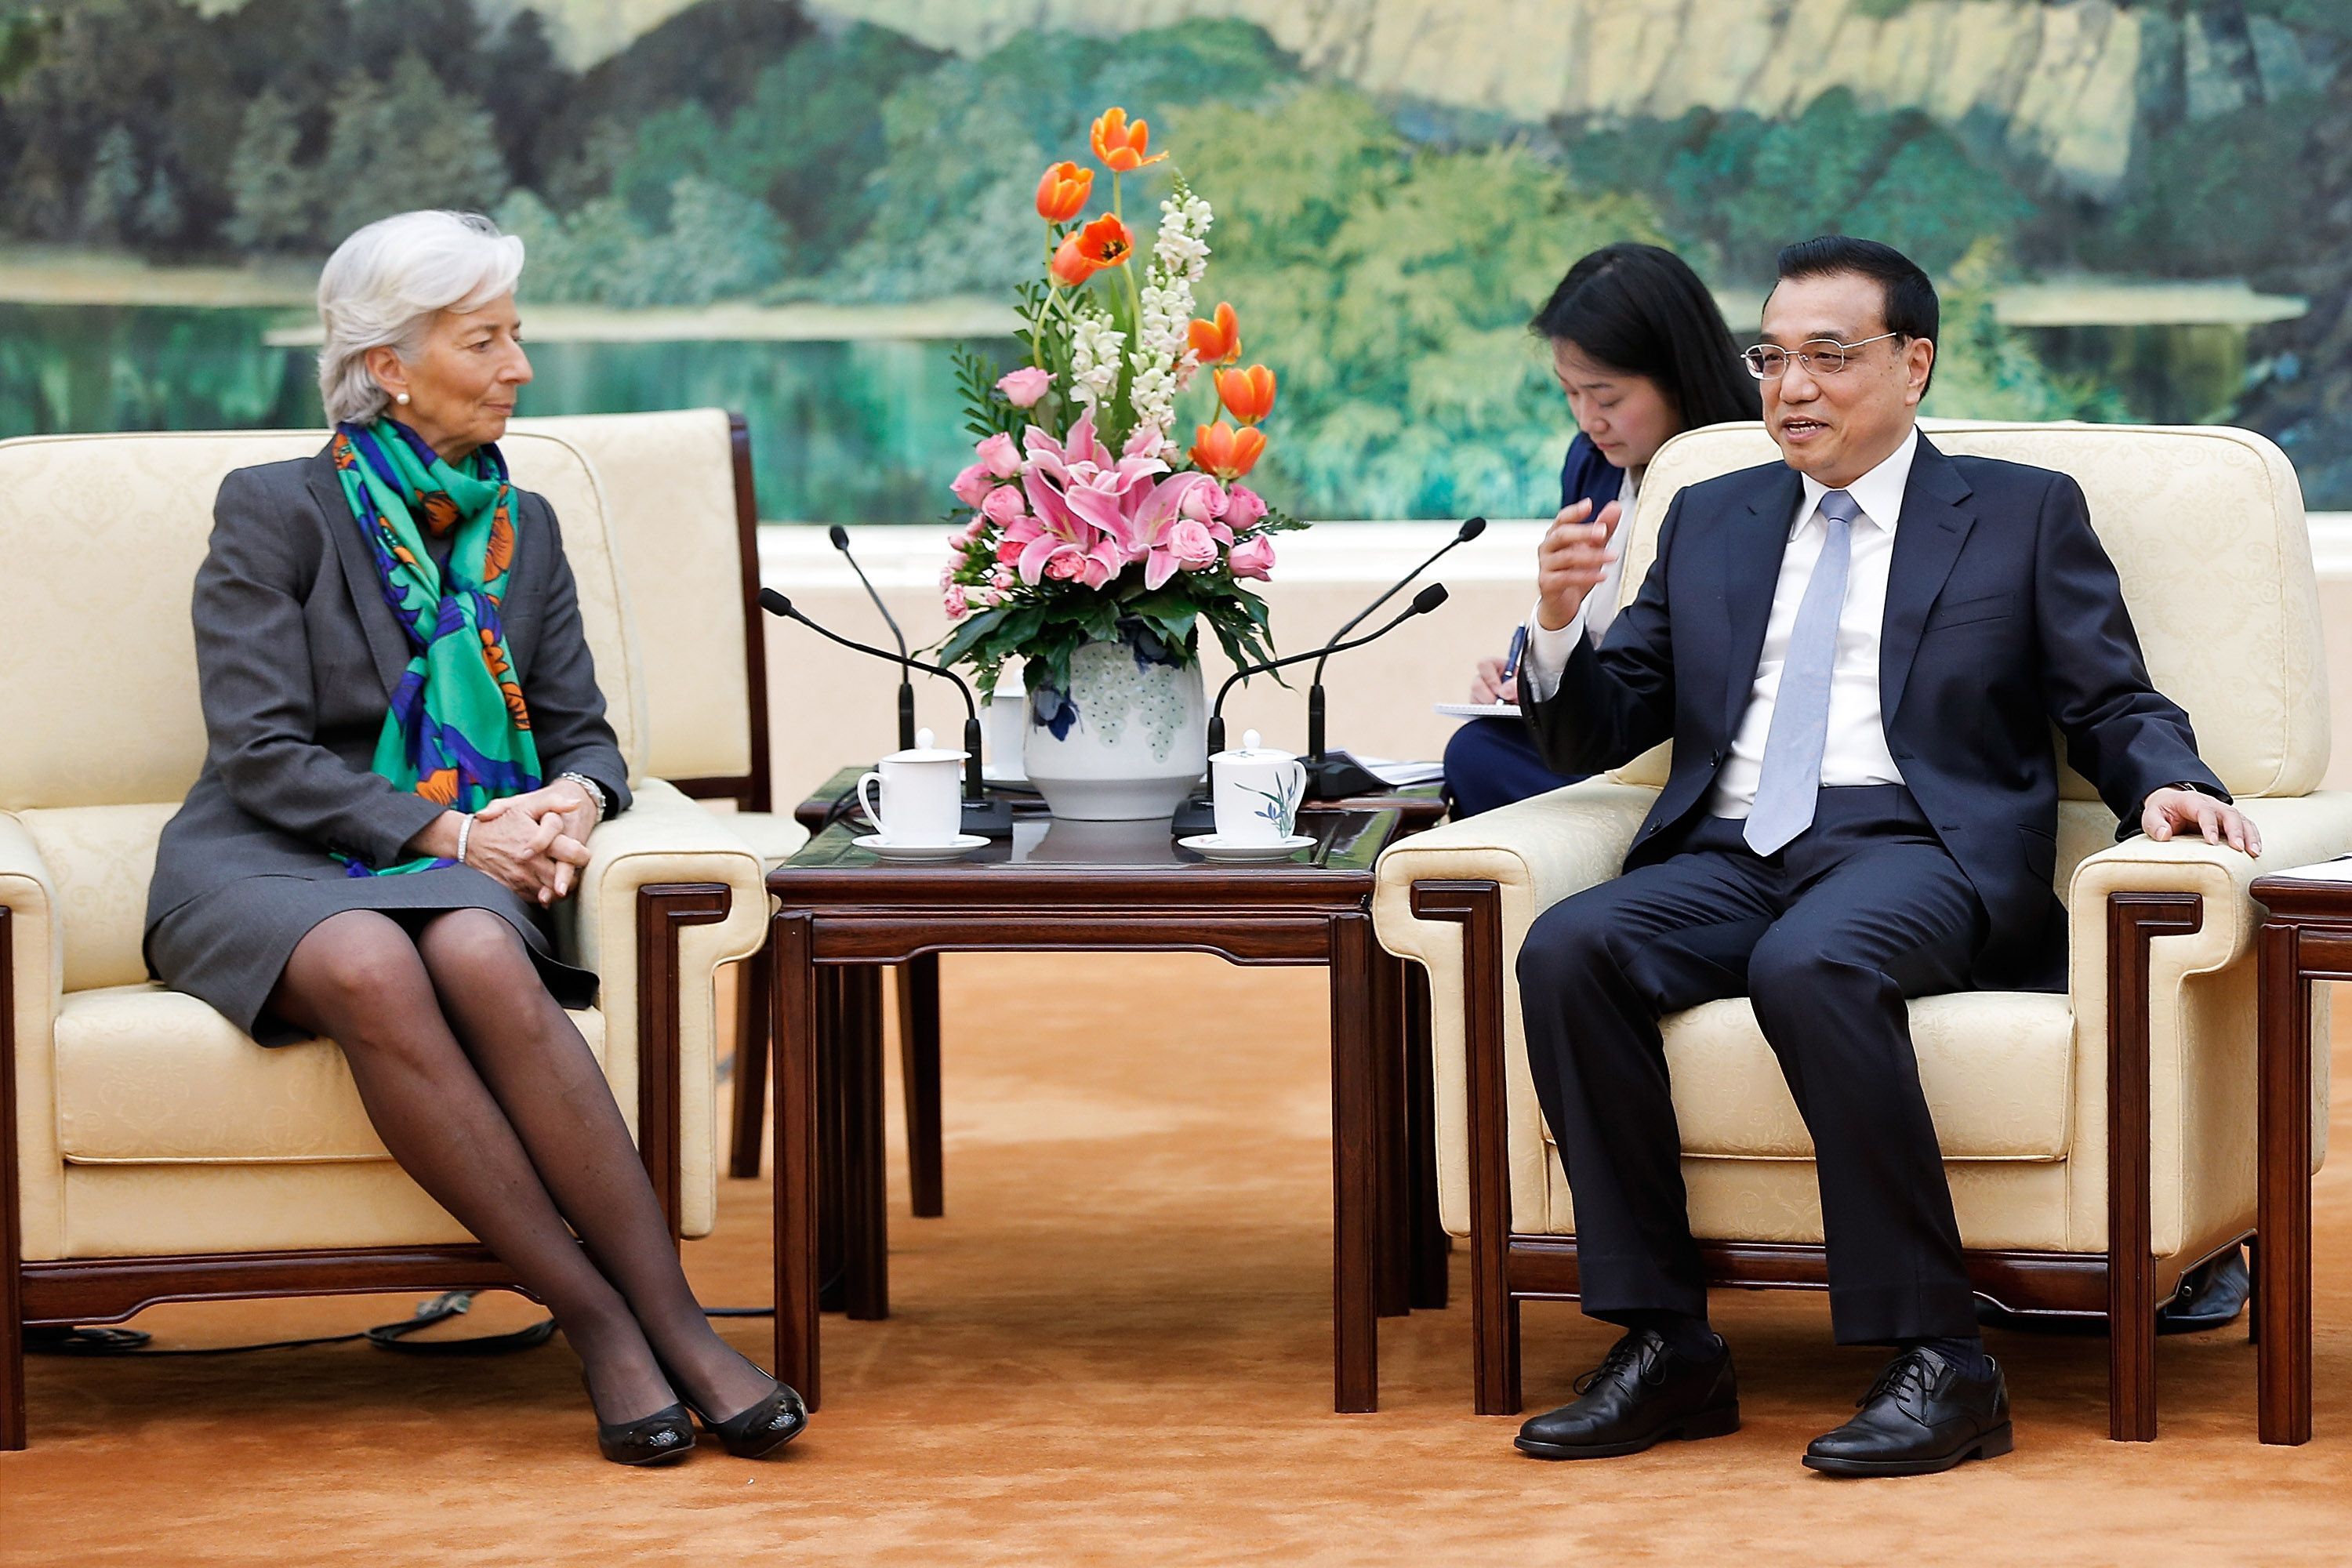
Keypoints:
pixel 1254 557
pixel 1024 386
pixel 999 456
pixel 1194 547
pixel 973 485
pixel 954 600
pixel 1066 563
pixel 1203 503
pixel 1002 505
pixel 1243 509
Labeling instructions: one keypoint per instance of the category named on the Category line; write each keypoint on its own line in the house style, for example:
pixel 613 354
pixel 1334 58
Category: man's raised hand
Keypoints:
pixel 1575 552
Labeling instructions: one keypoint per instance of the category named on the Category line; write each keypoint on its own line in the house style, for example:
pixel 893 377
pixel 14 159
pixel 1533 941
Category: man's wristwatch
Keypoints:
pixel 595 792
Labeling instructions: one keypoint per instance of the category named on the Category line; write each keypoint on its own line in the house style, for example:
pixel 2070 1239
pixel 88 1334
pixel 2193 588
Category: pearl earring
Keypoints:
pixel 401 398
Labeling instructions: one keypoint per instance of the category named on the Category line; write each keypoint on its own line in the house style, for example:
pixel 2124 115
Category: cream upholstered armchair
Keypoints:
pixel 2097 1143
pixel 148 1151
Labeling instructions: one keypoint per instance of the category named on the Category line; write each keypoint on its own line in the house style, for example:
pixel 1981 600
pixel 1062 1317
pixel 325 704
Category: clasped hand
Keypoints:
pixel 535 843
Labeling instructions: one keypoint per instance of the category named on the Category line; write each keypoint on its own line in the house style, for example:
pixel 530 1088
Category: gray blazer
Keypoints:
pixel 297 657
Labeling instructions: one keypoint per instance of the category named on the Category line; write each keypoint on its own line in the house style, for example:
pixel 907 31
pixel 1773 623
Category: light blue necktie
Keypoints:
pixel 1789 785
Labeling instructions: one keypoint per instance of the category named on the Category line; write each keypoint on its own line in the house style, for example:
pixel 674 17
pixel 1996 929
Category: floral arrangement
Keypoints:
pixel 1081 519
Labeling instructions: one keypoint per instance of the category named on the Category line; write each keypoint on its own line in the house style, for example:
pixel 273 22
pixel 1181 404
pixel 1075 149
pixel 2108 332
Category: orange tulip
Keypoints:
pixel 1062 194
pixel 1248 395
pixel 1070 267
pixel 1226 452
pixel 1121 146
pixel 1106 242
pixel 1217 342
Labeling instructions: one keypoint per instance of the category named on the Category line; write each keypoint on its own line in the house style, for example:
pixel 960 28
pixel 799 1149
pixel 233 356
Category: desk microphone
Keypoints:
pixel 1198 813
pixel 980 815
pixel 1337 777
pixel 840 537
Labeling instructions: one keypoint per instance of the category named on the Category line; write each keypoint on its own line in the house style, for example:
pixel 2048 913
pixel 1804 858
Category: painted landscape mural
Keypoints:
pixel 803 209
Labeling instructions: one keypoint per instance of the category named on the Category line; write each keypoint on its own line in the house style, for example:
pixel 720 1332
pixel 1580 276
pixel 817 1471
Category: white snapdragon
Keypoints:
pixel 1164 362
pixel 1095 347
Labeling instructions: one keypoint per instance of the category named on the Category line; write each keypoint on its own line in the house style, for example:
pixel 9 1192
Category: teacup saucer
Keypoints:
pixel 961 844
pixel 1210 846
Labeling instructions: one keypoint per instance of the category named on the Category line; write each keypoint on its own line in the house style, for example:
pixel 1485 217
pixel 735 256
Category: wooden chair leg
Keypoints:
pixel 2281 1260
pixel 12 1250
pixel 754 981
pixel 919 1073
pixel 1478 907
pixel 2134 920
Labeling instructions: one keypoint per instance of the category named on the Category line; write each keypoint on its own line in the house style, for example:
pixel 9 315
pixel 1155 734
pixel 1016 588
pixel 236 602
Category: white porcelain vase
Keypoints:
pixel 1126 743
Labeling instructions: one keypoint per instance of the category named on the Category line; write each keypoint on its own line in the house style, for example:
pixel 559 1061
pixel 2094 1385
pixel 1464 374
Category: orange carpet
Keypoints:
pixel 1115 1348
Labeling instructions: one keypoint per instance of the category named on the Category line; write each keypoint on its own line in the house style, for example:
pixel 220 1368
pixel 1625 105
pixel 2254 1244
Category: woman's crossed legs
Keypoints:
pixel 481 1088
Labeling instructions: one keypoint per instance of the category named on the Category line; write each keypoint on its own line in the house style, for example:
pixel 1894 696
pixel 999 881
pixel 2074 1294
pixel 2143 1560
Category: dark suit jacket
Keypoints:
pixel 1586 475
pixel 297 656
pixel 2003 616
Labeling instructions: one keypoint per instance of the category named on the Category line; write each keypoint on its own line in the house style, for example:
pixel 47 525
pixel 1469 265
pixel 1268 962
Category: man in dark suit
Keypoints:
pixel 1858 653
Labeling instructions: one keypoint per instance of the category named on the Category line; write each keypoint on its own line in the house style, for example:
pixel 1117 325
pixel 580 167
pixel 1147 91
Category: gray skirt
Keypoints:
pixel 229 947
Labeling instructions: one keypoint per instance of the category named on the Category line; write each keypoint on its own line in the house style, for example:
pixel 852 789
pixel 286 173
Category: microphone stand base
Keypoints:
pixel 1339 776
pixel 990 818
pixel 1194 817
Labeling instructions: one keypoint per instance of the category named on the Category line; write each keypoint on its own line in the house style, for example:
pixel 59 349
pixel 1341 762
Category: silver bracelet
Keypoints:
pixel 596 791
pixel 465 832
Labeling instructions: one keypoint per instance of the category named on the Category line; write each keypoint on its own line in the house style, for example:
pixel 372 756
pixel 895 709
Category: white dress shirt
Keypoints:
pixel 1854 751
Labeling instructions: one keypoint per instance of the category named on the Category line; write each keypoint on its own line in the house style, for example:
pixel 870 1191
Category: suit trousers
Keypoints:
pixel 1826 938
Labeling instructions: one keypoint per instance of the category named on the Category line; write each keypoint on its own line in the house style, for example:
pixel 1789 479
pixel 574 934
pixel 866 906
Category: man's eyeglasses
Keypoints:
pixel 1819 356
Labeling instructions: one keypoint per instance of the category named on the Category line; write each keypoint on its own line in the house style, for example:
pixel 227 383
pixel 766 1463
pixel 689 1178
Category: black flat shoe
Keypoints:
pixel 1921 1417
pixel 2211 1295
pixel 767 1426
pixel 1641 1393
pixel 657 1439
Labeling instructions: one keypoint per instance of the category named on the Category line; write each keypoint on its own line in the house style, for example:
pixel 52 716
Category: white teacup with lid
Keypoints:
pixel 1258 789
pixel 924 789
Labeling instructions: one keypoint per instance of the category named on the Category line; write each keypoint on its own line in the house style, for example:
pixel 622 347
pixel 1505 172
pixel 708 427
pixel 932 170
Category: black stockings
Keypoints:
pixel 482 1089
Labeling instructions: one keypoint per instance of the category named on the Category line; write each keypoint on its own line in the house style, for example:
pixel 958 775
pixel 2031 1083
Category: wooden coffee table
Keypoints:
pixel 845 915
pixel 2306 936
pixel 1410 1273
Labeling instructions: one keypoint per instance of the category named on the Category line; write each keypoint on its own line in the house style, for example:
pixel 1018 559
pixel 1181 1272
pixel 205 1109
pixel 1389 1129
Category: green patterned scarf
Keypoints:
pixel 457 732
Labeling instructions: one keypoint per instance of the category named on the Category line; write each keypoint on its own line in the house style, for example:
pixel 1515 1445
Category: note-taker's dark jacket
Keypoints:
pixel 2004 616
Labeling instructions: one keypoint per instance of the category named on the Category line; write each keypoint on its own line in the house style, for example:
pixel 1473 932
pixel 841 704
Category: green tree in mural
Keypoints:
pixel 111 192
pixel 1985 372
pixel 405 144
pixel 276 200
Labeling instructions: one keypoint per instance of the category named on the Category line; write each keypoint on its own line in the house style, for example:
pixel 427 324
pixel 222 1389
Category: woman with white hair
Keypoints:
pixel 408 752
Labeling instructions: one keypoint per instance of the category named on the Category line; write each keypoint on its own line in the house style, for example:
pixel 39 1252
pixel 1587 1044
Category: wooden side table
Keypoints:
pixel 1064 887
pixel 2306 936
pixel 1412 1274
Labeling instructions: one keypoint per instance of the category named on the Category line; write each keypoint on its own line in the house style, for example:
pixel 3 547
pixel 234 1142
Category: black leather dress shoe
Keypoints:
pixel 1641 1393
pixel 1920 1417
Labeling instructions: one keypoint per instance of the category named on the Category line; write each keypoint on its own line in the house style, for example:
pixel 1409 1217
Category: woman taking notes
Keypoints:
pixel 1642 354
pixel 408 753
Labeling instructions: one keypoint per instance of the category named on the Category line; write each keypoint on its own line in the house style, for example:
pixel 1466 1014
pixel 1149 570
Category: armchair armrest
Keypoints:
pixel 2297 830
pixel 32 983
pixel 1537 850
pixel 669 894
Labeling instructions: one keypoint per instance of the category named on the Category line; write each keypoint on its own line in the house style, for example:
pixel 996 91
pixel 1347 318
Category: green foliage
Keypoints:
pixel 1735 187
pixel 1985 371
pixel 405 144
pixel 719 245
pixel 112 190
pixel 277 202
pixel 2211 196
